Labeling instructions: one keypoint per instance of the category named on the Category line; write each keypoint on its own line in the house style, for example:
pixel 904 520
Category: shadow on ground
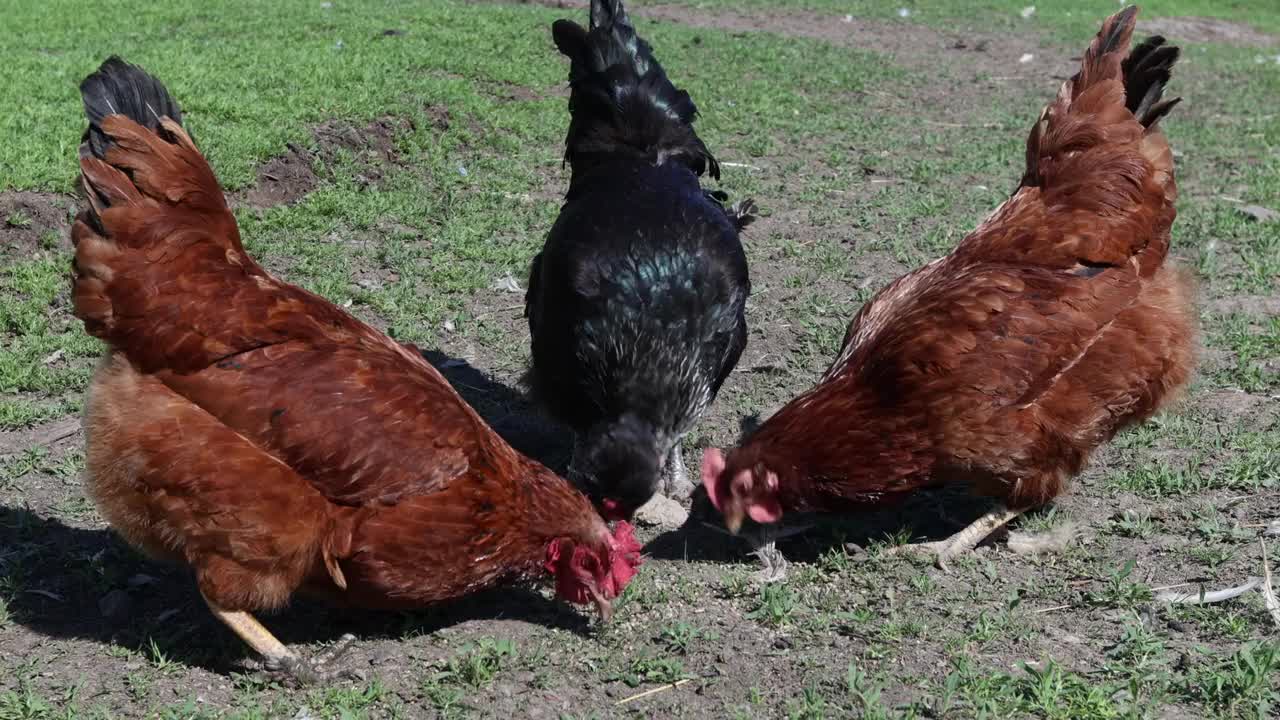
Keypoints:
pixel 71 582
pixel 508 411
pixel 926 516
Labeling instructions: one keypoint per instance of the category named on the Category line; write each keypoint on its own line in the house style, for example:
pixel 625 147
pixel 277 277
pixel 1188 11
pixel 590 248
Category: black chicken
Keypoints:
pixel 636 302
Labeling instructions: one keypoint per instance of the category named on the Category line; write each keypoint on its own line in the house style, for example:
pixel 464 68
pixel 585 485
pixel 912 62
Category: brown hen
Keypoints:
pixel 257 433
pixel 1006 363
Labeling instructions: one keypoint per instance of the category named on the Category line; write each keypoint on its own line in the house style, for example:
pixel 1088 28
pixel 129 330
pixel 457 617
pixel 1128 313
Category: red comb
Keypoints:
pixel 626 558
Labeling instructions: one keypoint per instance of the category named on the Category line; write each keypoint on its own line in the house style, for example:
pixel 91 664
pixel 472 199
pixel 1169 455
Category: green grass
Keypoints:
pixel 47 357
pixel 1004 15
pixel 247 93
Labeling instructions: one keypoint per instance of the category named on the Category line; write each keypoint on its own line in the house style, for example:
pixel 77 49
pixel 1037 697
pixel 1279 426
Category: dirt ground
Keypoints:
pixel 88 627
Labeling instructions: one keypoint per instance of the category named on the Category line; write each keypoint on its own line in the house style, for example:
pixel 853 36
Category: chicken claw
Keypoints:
pixel 277 659
pixel 774 562
pixel 312 671
pixel 966 540
pixel 764 545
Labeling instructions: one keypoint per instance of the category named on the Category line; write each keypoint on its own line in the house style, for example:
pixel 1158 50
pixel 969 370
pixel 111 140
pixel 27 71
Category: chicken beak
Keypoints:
pixel 604 606
pixel 733 520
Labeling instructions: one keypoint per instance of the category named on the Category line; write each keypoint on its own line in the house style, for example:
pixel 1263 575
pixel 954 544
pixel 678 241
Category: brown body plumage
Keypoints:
pixel 1006 363
pixel 266 438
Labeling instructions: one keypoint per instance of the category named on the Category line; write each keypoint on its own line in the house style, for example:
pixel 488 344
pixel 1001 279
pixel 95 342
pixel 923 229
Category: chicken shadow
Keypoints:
pixel 71 582
pixel 927 515
pixel 511 413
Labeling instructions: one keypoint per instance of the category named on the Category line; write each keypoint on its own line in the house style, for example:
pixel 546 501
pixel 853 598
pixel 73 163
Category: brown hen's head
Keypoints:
pixel 739 489
pixel 586 574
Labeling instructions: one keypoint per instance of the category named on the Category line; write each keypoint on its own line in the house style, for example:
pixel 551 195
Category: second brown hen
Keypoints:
pixel 1005 364
pixel 260 435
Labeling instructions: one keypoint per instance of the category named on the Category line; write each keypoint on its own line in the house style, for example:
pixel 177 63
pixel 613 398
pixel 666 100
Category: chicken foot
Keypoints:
pixel 764 545
pixel 963 541
pixel 278 659
pixel 675 482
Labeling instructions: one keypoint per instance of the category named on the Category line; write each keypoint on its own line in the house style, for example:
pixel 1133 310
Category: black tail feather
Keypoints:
pixel 119 88
pixel 608 14
pixel 741 213
pixel 621 98
pixel 1146 72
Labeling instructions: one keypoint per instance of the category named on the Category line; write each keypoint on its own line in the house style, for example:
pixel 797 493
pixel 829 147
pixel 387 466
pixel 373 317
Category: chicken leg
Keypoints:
pixel 964 541
pixel 675 482
pixel 275 656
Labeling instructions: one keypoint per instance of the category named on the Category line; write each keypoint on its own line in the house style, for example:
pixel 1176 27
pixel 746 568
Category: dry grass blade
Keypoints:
pixel 1201 597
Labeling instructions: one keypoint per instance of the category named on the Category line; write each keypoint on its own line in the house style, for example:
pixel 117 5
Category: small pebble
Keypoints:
pixel 663 512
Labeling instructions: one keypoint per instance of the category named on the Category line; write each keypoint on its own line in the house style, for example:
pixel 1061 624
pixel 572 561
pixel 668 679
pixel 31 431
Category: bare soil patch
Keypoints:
pixel 57 432
pixel 1267 305
pixel 287 178
pixel 1207 30
pixel 907 44
pixel 30 221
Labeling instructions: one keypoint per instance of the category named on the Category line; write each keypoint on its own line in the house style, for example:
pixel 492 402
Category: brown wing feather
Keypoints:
pixel 252 528
pixel 360 422
pixel 167 281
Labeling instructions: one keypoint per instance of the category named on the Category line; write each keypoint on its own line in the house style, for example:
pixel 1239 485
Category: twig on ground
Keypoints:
pixel 1170 587
pixel 965 125
pixel 60 430
pixel 653 691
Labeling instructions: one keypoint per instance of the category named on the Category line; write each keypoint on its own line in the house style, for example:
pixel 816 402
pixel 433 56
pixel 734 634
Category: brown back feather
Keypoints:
pixel 1049 327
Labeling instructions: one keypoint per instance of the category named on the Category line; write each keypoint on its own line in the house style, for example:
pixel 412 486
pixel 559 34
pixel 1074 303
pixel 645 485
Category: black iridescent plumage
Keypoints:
pixel 636 302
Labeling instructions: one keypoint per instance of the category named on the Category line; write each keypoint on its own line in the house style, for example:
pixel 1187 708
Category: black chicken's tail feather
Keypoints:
pixel 120 88
pixel 621 98
pixel 741 213
pixel 1146 72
